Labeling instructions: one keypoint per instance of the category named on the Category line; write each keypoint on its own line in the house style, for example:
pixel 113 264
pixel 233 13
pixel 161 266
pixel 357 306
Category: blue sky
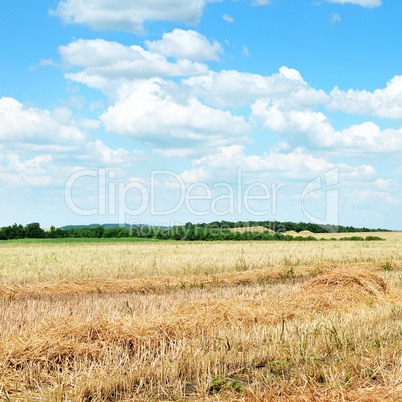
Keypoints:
pixel 165 112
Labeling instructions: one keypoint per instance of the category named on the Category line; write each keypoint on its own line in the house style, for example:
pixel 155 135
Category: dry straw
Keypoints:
pixel 356 279
pixel 325 330
pixel 70 338
pixel 154 284
pixel 341 287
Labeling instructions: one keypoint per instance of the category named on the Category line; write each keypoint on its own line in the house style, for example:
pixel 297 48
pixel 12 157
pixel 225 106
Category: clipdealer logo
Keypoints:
pixel 326 186
pixel 198 198
pixel 257 199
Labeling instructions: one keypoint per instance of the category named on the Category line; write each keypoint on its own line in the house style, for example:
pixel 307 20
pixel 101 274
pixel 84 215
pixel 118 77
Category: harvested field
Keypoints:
pixel 397 236
pixel 37 263
pixel 258 229
pixel 232 321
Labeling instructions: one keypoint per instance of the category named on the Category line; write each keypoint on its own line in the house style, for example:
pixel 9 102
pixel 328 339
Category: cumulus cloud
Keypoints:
pixel 316 131
pixel 128 15
pixel 98 152
pixel 35 166
pixel 384 184
pixel 363 3
pixel 366 197
pixel 103 60
pixel 29 173
pixel 232 88
pixel 31 125
pixel 228 18
pixel 152 112
pixel 279 165
pixel 293 163
pixel 18 168
pixel 384 103
pixel 189 44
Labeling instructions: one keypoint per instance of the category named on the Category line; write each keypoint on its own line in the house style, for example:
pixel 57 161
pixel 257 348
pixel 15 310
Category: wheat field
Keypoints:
pixel 252 321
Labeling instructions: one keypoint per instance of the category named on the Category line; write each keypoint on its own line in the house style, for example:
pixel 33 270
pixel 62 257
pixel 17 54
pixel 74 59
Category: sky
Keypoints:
pixel 164 112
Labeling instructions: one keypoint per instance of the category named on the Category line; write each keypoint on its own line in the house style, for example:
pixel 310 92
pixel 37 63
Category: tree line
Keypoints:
pixel 283 227
pixel 190 232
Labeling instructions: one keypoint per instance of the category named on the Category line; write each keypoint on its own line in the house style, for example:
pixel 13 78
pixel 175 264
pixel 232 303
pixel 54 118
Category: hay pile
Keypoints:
pixel 356 279
pixel 148 284
pixel 341 287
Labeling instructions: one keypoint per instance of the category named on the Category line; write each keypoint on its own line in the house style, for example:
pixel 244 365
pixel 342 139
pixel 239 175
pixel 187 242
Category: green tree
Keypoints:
pixel 34 231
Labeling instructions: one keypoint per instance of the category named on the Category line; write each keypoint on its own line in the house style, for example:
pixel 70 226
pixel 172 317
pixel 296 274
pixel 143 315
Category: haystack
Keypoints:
pixel 351 279
pixel 341 287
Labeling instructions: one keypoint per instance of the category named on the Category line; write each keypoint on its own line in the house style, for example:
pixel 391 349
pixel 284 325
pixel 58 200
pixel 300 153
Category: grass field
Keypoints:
pixel 201 321
pixel 84 240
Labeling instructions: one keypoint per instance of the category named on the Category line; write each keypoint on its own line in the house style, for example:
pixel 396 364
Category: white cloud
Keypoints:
pixel 232 88
pixel 367 197
pixel 189 44
pixel 98 152
pixel 246 52
pixel 49 170
pixel 31 125
pixel 335 19
pixel 274 165
pixel 47 62
pixel 260 2
pixel 228 18
pixel 314 129
pixel 293 163
pixel 384 103
pixel 363 3
pixel 174 153
pixel 128 15
pixel 384 184
pixel 27 148
pixel 30 173
pixel 34 166
pixel 154 113
pixel 103 61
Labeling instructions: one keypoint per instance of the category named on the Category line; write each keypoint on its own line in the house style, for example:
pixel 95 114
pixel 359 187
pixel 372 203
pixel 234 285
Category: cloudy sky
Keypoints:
pixel 153 110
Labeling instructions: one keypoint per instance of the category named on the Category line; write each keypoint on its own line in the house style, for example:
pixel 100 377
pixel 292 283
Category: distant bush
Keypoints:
pixel 359 238
pixel 373 238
